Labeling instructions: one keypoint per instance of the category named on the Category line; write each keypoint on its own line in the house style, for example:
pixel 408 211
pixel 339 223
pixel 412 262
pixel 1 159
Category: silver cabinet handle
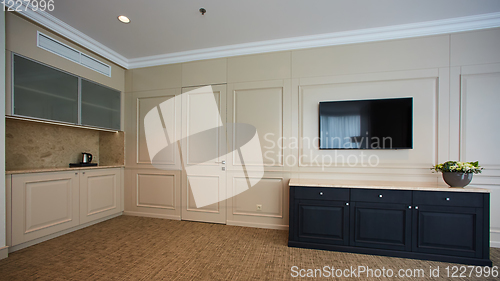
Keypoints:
pixel 223 162
pixel 223 168
pixel 380 196
pixel 409 207
pixel 416 207
pixel 76 173
pixel 84 173
pixel 347 204
pixel 447 199
pixel 321 193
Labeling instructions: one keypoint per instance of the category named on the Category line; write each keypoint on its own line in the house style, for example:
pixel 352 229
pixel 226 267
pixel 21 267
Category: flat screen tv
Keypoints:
pixel 366 124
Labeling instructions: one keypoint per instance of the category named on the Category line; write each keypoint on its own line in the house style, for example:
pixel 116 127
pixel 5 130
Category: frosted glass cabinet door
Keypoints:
pixel 100 106
pixel 44 92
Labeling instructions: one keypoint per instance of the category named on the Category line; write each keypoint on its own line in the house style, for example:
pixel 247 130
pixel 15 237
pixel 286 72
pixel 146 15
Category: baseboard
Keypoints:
pixel 4 252
pixel 494 238
pixel 258 225
pixel 57 234
pixel 494 244
pixel 235 223
pixel 149 215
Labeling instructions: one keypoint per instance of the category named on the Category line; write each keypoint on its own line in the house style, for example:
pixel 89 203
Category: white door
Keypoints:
pixel 204 154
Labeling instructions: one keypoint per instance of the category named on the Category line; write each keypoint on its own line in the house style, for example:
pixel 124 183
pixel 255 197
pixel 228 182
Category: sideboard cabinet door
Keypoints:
pixel 454 231
pixel 325 222
pixel 380 226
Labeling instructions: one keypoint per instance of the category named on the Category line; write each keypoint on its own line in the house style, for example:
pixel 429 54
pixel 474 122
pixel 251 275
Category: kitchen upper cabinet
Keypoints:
pixel 43 203
pixel 100 194
pixel 43 92
pixel 100 105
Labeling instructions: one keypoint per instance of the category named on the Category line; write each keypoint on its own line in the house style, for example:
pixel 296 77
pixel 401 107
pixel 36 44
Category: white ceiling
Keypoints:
pixel 160 27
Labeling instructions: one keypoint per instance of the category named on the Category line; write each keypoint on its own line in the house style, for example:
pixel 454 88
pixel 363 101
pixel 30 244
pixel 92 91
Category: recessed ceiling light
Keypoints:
pixel 123 19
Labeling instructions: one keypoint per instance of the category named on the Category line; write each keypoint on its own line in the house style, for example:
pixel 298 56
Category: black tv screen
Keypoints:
pixel 366 124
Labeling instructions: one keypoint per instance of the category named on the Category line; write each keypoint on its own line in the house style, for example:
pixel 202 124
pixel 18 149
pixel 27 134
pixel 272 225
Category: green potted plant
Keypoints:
pixel 458 174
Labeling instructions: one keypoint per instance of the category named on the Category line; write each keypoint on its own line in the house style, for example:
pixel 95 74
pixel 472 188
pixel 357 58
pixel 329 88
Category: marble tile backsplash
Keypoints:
pixel 111 148
pixel 34 145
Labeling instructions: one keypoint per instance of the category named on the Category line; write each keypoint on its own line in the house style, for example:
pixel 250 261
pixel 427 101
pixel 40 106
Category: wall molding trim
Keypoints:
pixel 436 27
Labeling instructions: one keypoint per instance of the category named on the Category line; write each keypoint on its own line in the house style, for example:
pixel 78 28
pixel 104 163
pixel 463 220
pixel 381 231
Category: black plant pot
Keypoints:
pixel 457 179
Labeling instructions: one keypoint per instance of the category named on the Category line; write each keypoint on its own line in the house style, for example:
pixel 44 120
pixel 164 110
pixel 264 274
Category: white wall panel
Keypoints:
pixel 424 92
pixel 479 133
pixel 155 191
pixel 271 193
pixel 265 105
pixel 140 104
pixel 263 109
pixel 480 115
pixel 267 193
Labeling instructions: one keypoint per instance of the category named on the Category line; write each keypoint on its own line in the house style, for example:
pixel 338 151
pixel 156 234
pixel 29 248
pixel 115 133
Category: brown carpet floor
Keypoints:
pixel 133 248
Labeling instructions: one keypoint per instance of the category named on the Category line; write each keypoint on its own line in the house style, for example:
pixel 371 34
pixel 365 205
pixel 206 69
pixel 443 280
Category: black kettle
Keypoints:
pixel 86 158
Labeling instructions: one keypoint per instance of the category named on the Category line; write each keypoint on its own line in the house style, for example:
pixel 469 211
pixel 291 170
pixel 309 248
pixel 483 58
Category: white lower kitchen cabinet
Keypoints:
pixel 100 194
pixel 44 203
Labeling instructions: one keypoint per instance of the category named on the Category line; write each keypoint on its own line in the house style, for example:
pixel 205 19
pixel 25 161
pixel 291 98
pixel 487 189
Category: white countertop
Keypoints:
pixel 383 185
pixel 61 169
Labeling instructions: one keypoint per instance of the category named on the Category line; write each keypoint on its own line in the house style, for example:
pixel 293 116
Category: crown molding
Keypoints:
pixel 330 39
pixel 54 24
pixel 428 28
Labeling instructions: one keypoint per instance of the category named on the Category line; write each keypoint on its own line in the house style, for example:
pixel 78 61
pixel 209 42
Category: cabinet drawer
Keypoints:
pixel 381 196
pixel 322 193
pixel 438 198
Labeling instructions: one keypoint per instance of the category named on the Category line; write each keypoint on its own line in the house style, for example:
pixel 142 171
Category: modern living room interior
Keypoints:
pixel 244 140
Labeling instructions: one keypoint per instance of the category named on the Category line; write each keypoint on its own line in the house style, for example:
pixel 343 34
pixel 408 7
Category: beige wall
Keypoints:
pixel 452 78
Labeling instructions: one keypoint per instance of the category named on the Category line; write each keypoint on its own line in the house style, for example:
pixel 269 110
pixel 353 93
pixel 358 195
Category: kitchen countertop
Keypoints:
pixel 61 169
pixel 382 185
